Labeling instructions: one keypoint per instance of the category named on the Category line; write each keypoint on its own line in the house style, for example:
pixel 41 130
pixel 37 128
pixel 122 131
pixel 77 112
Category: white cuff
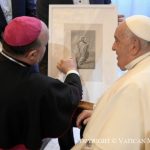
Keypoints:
pixel 72 71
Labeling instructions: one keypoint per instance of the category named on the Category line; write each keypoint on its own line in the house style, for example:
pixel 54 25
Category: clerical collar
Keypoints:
pixel 14 60
pixel 136 61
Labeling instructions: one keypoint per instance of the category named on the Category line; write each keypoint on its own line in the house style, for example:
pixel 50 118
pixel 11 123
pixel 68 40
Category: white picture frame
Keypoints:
pixel 67 23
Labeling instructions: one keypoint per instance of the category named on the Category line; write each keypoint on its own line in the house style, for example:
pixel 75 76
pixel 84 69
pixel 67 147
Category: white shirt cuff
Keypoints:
pixel 72 71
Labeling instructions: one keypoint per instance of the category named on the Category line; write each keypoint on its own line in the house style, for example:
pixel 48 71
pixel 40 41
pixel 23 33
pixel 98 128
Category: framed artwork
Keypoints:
pixel 85 32
pixel 80 40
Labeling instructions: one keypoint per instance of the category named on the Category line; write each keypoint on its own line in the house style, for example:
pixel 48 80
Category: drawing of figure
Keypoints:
pixel 83 47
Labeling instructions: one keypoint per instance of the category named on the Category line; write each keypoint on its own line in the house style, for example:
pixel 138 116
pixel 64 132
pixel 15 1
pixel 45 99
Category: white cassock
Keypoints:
pixel 121 119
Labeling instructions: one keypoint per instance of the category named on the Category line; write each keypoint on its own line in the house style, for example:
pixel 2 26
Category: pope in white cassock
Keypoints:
pixel 121 118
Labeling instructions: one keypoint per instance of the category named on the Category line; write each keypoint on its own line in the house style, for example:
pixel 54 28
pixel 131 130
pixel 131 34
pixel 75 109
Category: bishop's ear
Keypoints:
pixel 32 56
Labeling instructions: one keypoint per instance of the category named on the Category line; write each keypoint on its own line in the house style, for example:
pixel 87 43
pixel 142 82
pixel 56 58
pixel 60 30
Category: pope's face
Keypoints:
pixel 122 46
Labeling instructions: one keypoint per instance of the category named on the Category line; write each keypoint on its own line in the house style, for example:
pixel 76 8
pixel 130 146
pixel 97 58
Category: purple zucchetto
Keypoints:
pixel 22 31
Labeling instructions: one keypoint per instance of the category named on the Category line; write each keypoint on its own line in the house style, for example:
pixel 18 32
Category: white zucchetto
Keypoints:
pixel 140 26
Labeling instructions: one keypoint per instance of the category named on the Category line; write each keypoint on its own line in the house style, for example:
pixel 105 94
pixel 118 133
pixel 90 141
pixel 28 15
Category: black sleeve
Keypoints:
pixel 59 104
pixel 73 80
